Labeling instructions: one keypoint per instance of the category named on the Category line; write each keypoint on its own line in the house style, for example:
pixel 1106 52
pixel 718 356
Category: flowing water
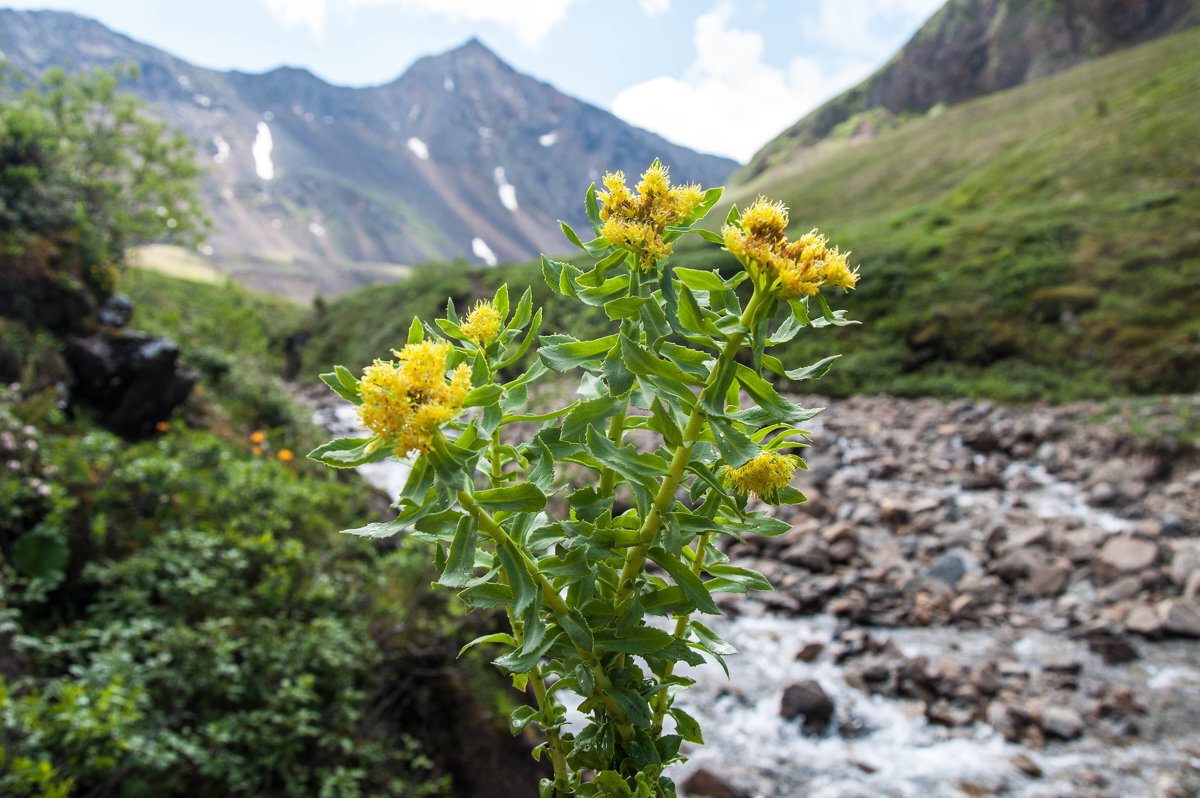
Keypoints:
pixel 879 746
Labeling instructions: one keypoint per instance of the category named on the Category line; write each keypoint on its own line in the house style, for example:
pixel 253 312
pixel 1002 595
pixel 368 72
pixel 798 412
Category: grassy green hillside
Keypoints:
pixel 1038 242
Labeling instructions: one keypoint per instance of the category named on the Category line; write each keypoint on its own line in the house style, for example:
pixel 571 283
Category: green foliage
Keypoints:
pixel 197 632
pixel 520 507
pixel 84 168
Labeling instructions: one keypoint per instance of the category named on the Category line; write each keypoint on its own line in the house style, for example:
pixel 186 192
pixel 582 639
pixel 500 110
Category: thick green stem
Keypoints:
pixel 558 759
pixel 635 559
pixel 616 434
pixel 556 605
pixel 681 622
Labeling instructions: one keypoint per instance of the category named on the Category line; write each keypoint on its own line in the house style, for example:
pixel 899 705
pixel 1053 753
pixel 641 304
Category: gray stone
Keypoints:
pixel 1062 722
pixel 1180 617
pixel 1126 555
pixel 1026 765
pixel 1047 581
pixel 948 569
pixel 1103 494
pixel 1143 619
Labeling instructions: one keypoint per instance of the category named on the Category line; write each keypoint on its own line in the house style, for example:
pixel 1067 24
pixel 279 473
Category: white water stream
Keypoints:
pixel 886 748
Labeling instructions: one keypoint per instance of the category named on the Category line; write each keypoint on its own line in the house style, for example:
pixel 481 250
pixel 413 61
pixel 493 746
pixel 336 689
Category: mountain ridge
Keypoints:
pixel 316 188
pixel 968 49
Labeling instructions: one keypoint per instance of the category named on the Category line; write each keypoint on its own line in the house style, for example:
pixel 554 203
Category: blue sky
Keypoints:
pixel 715 75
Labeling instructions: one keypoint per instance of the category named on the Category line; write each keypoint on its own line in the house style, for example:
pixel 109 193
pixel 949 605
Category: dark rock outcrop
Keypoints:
pixel 132 380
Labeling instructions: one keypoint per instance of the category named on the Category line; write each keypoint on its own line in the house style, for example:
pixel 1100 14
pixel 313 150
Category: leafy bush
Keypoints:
pixel 197 630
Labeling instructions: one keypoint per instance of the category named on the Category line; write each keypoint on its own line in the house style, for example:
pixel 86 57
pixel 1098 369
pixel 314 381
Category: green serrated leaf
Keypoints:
pixel 700 280
pixel 350 452
pixel 416 333
pixel 766 397
pixel 571 235
pixel 332 379
pixel 692 585
pixel 498 637
pixel 524 497
pixel 483 396
pixel 460 561
pixel 575 423
pixel 563 353
pixel 628 463
pixel 382 529
pixel 520 718
pixel 593 209
pixel 735 446
pixel 686 726
pixel 624 308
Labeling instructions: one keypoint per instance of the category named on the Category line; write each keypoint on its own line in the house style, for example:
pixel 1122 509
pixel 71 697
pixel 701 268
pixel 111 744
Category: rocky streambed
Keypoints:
pixel 976 600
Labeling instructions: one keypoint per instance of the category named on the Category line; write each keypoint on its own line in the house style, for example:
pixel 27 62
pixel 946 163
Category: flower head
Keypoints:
pixel 637 221
pixel 791 268
pixel 763 476
pixel 405 400
pixel 482 324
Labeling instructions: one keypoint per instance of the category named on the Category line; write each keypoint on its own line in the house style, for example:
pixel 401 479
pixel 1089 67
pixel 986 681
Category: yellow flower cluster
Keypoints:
pixel 637 221
pixel 764 475
pixel 482 324
pixel 793 269
pixel 404 401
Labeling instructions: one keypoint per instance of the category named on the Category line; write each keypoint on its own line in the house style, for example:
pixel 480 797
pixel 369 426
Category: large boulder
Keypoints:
pixel 132 380
pixel 807 700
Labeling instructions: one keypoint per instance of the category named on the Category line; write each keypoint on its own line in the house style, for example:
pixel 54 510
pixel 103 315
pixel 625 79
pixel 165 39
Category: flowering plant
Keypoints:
pixel 581 575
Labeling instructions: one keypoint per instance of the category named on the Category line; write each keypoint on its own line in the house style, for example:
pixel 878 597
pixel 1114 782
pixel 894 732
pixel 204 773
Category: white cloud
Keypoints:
pixel 653 8
pixel 531 19
pixel 300 13
pixel 863 26
pixel 730 102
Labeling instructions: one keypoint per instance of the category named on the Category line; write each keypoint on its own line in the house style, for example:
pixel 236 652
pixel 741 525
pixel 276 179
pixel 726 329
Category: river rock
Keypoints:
pixel 1180 617
pixel 1143 619
pixel 1113 649
pixel 1126 555
pixel 948 569
pixel 1047 581
pixel 1062 722
pixel 703 783
pixel 808 700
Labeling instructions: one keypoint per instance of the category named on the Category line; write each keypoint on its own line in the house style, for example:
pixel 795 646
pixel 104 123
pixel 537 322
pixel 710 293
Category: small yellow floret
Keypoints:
pixel 765 219
pixel 764 475
pixel 637 220
pixel 482 324
pixel 799 268
pixel 404 401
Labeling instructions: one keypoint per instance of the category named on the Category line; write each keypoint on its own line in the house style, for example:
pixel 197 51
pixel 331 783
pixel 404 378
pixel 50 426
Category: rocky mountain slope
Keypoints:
pixel 971 48
pixel 316 188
